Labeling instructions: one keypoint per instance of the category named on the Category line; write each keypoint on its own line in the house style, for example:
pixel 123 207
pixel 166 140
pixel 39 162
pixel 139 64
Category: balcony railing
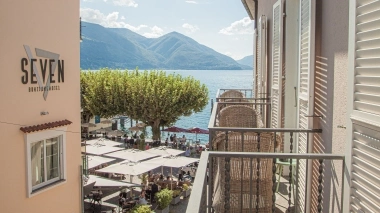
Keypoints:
pixel 216 188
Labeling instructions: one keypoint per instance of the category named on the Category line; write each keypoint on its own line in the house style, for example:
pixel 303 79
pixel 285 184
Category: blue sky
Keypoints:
pixel 222 25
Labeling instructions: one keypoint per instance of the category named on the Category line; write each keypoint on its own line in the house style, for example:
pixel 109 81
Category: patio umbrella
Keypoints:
pixel 141 125
pixel 100 149
pixel 88 125
pixel 164 151
pixel 175 129
pixel 133 155
pixel 173 162
pixel 103 142
pixel 135 128
pixel 94 161
pixel 106 121
pixel 105 182
pixel 115 133
pixel 130 168
pixel 197 131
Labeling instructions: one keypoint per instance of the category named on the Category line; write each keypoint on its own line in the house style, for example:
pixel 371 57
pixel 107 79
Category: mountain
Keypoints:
pixel 120 48
pixel 248 61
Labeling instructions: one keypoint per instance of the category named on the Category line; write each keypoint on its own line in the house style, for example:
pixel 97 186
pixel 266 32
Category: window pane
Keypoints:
pixel 52 158
pixel 37 161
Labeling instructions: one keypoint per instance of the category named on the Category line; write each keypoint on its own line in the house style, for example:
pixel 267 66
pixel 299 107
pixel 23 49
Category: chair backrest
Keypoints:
pixel 232 94
pixel 239 116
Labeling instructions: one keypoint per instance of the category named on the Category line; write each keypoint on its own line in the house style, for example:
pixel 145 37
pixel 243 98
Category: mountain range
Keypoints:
pixel 121 48
pixel 248 61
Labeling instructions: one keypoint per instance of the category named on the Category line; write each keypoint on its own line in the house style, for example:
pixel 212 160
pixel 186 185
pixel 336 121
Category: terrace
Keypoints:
pixel 251 168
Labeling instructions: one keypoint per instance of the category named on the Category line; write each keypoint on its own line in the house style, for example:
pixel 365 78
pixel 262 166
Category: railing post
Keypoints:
pixel 258 175
pixel 320 186
pixel 210 183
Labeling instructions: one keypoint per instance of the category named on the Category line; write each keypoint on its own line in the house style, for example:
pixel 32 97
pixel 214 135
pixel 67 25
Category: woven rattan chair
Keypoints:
pixel 240 171
pixel 231 94
pixel 240 116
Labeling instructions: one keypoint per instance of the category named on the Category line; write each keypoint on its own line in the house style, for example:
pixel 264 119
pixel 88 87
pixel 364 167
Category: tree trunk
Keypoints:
pixel 156 130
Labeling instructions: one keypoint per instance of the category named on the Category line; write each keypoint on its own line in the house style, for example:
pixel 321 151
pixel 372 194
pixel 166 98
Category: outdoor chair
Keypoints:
pixel 240 171
pixel 239 116
pixel 231 94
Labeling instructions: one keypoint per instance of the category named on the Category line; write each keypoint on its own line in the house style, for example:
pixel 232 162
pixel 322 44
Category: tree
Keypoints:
pixel 157 98
pixel 153 97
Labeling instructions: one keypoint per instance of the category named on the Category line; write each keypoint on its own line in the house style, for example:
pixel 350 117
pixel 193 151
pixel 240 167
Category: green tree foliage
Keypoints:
pixel 153 97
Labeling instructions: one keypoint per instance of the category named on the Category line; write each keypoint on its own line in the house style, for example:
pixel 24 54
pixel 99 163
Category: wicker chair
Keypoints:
pixel 237 166
pixel 240 116
pixel 231 94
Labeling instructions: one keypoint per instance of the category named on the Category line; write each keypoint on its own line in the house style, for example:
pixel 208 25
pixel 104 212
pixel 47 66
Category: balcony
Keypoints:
pixel 245 171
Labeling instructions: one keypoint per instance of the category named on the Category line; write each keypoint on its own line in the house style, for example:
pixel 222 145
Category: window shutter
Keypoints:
pixel 306 63
pixel 276 92
pixel 254 86
pixel 261 74
pixel 364 75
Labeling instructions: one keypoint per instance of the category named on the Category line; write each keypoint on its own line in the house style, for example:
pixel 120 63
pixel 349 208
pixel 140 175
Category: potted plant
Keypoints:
pixel 186 190
pixel 164 197
pixel 141 209
pixel 176 197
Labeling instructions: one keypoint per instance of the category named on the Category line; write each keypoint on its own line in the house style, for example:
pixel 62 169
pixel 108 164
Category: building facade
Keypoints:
pixel 40 106
pixel 317 60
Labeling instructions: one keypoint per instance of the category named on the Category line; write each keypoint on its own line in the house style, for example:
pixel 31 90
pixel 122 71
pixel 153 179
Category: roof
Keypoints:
pixel 249 6
pixel 45 126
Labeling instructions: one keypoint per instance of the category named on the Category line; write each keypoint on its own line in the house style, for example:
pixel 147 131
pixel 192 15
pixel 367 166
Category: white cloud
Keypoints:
pixel 110 20
pixel 155 32
pixel 127 3
pixel 191 2
pixel 243 26
pixel 190 28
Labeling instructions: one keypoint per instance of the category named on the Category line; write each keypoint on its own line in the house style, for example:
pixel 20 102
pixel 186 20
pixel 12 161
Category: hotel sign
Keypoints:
pixel 41 73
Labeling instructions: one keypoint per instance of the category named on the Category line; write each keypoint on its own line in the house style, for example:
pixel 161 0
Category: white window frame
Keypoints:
pixel 43 135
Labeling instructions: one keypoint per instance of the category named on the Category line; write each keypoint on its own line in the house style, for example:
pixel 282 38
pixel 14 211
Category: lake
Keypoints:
pixel 214 80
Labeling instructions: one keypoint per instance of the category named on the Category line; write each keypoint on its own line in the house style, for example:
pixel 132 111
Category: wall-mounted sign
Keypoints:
pixel 40 73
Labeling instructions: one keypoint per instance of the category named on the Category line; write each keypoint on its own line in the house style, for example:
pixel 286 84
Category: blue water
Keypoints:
pixel 214 80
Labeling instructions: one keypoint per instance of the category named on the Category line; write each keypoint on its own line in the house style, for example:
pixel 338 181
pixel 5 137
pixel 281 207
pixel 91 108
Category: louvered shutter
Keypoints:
pixel 276 90
pixel 306 51
pixel 261 74
pixel 364 52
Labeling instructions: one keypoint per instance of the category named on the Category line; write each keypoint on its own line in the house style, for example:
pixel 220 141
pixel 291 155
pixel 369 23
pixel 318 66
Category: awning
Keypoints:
pixel 105 182
pixel 45 126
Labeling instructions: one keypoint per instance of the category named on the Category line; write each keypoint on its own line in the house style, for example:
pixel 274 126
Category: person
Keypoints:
pixel 126 142
pixel 187 153
pixel 166 142
pixel 147 147
pixel 175 138
pixel 135 135
pixel 142 199
pixel 154 191
pixel 180 176
pixel 161 177
pixel 171 138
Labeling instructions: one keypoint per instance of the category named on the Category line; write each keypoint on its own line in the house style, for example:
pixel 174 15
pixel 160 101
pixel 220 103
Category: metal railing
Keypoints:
pixel 206 198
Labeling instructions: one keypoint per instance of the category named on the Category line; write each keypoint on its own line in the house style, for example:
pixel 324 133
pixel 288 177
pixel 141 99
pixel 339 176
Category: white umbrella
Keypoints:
pixel 133 155
pixel 88 125
pixel 94 161
pixel 130 168
pixel 173 161
pixel 100 150
pixel 164 151
pixel 105 182
pixel 102 142
pixel 115 133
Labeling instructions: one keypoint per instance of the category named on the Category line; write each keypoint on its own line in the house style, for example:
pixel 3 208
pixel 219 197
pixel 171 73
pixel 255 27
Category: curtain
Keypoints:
pixel 37 159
